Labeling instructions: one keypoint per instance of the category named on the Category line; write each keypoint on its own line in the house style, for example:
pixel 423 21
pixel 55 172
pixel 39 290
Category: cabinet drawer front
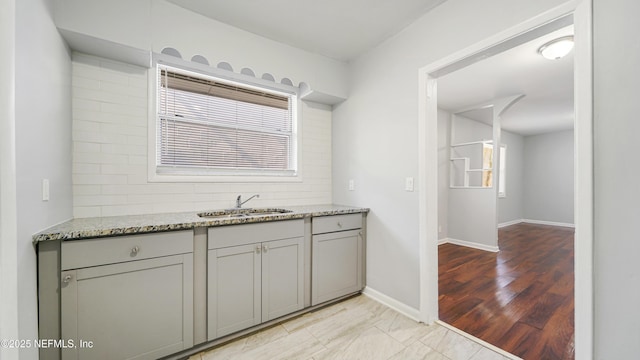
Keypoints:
pixel 326 224
pixel 101 251
pixel 234 235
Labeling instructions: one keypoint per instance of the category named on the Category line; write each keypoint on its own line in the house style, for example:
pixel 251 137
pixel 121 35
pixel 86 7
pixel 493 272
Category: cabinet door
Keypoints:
pixel 234 293
pixel 282 277
pixel 134 310
pixel 336 265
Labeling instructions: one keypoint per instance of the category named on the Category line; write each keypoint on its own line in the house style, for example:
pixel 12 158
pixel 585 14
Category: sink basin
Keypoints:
pixel 241 213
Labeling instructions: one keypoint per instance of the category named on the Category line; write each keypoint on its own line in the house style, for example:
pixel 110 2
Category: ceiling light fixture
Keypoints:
pixel 557 49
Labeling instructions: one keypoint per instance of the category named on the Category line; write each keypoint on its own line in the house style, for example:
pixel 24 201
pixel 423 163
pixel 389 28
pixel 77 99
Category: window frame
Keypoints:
pixel 156 173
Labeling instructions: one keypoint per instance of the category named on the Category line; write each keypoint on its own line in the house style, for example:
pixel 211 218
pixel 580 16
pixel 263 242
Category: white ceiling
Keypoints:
pixel 546 84
pixel 344 29
pixel 340 29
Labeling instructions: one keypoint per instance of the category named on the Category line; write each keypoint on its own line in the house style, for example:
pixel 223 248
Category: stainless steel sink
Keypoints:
pixel 241 213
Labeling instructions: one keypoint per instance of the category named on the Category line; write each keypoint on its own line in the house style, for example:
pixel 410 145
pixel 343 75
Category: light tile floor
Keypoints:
pixel 358 328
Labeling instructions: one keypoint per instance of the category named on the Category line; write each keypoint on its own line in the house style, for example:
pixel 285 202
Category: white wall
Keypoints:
pixel 8 201
pixel 43 144
pixel 617 194
pixel 110 152
pixel 471 211
pixel 510 207
pixel 375 130
pixel 548 177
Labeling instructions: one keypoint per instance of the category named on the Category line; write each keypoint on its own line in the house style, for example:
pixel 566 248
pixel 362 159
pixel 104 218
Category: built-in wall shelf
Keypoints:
pixel 473 143
pixel 468 177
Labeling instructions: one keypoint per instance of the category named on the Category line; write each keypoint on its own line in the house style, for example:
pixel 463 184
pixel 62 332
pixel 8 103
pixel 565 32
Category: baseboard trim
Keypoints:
pixel 509 223
pixel 552 223
pixel 443 241
pixel 477 340
pixel 392 303
pixel 472 245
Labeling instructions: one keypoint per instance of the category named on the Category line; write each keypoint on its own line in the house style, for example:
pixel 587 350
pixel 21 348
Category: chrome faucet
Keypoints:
pixel 239 201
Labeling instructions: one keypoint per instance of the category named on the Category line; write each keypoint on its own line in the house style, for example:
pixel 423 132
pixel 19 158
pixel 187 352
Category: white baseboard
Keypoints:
pixel 509 223
pixel 443 241
pixel 552 223
pixel 473 245
pixel 392 303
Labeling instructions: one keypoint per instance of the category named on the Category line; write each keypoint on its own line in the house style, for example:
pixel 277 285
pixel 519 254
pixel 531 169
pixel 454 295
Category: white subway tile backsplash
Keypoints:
pixel 80 168
pixel 86 147
pixel 109 102
pixel 99 200
pixel 92 179
pixel 86 211
pixel 123 109
pixel 86 189
pixel 127 90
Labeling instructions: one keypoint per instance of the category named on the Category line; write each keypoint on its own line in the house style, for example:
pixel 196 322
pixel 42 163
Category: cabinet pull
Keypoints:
pixel 135 250
pixel 339 224
pixel 257 249
pixel 66 279
pixel 265 248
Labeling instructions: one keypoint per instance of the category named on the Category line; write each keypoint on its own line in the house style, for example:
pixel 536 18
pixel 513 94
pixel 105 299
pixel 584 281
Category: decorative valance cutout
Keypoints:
pixel 171 52
pixel 268 77
pixel 200 60
pixel 225 66
pixel 248 72
pixel 305 91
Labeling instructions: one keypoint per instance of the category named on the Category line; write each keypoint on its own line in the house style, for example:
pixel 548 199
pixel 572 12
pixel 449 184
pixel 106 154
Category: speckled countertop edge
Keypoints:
pixel 83 228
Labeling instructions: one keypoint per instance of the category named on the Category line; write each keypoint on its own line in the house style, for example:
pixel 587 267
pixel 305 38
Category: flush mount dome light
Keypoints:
pixel 557 49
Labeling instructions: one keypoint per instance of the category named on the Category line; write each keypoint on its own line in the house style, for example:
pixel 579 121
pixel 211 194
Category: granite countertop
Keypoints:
pixel 83 228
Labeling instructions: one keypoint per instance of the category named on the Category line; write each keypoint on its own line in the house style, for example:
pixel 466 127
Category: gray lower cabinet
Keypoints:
pixel 128 297
pixel 255 274
pixel 337 257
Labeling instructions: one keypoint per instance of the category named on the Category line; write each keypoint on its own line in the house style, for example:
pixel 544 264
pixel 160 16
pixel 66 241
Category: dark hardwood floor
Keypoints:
pixel 519 299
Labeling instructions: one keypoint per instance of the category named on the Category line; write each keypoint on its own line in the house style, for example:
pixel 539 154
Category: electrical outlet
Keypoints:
pixel 408 184
pixel 352 185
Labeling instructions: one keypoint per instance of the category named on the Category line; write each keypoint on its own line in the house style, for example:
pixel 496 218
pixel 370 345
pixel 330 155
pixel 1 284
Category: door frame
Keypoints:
pixel 583 165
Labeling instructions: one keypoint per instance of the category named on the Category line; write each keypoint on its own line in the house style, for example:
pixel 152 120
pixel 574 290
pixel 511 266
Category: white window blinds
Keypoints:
pixel 209 125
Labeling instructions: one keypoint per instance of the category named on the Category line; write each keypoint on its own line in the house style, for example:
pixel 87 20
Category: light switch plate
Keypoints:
pixel 45 189
pixel 352 185
pixel 408 184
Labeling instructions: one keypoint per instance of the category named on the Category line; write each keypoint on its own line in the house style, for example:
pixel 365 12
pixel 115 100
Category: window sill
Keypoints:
pixel 176 178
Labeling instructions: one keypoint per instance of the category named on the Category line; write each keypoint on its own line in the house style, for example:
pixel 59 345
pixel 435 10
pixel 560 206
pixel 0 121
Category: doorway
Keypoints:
pixel 583 203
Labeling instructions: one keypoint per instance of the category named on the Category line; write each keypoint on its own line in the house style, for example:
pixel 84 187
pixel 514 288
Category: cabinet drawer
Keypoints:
pixel 101 251
pixel 234 235
pixel 327 224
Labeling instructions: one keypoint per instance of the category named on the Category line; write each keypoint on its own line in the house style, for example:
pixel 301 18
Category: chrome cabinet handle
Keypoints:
pixel 66 279
pixel 135 250
pixel 258 249
pixel 265 248
pixel 339 224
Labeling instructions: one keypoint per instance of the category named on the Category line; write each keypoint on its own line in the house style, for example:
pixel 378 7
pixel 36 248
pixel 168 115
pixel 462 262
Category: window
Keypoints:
pixel 211 126
pixel 487 165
